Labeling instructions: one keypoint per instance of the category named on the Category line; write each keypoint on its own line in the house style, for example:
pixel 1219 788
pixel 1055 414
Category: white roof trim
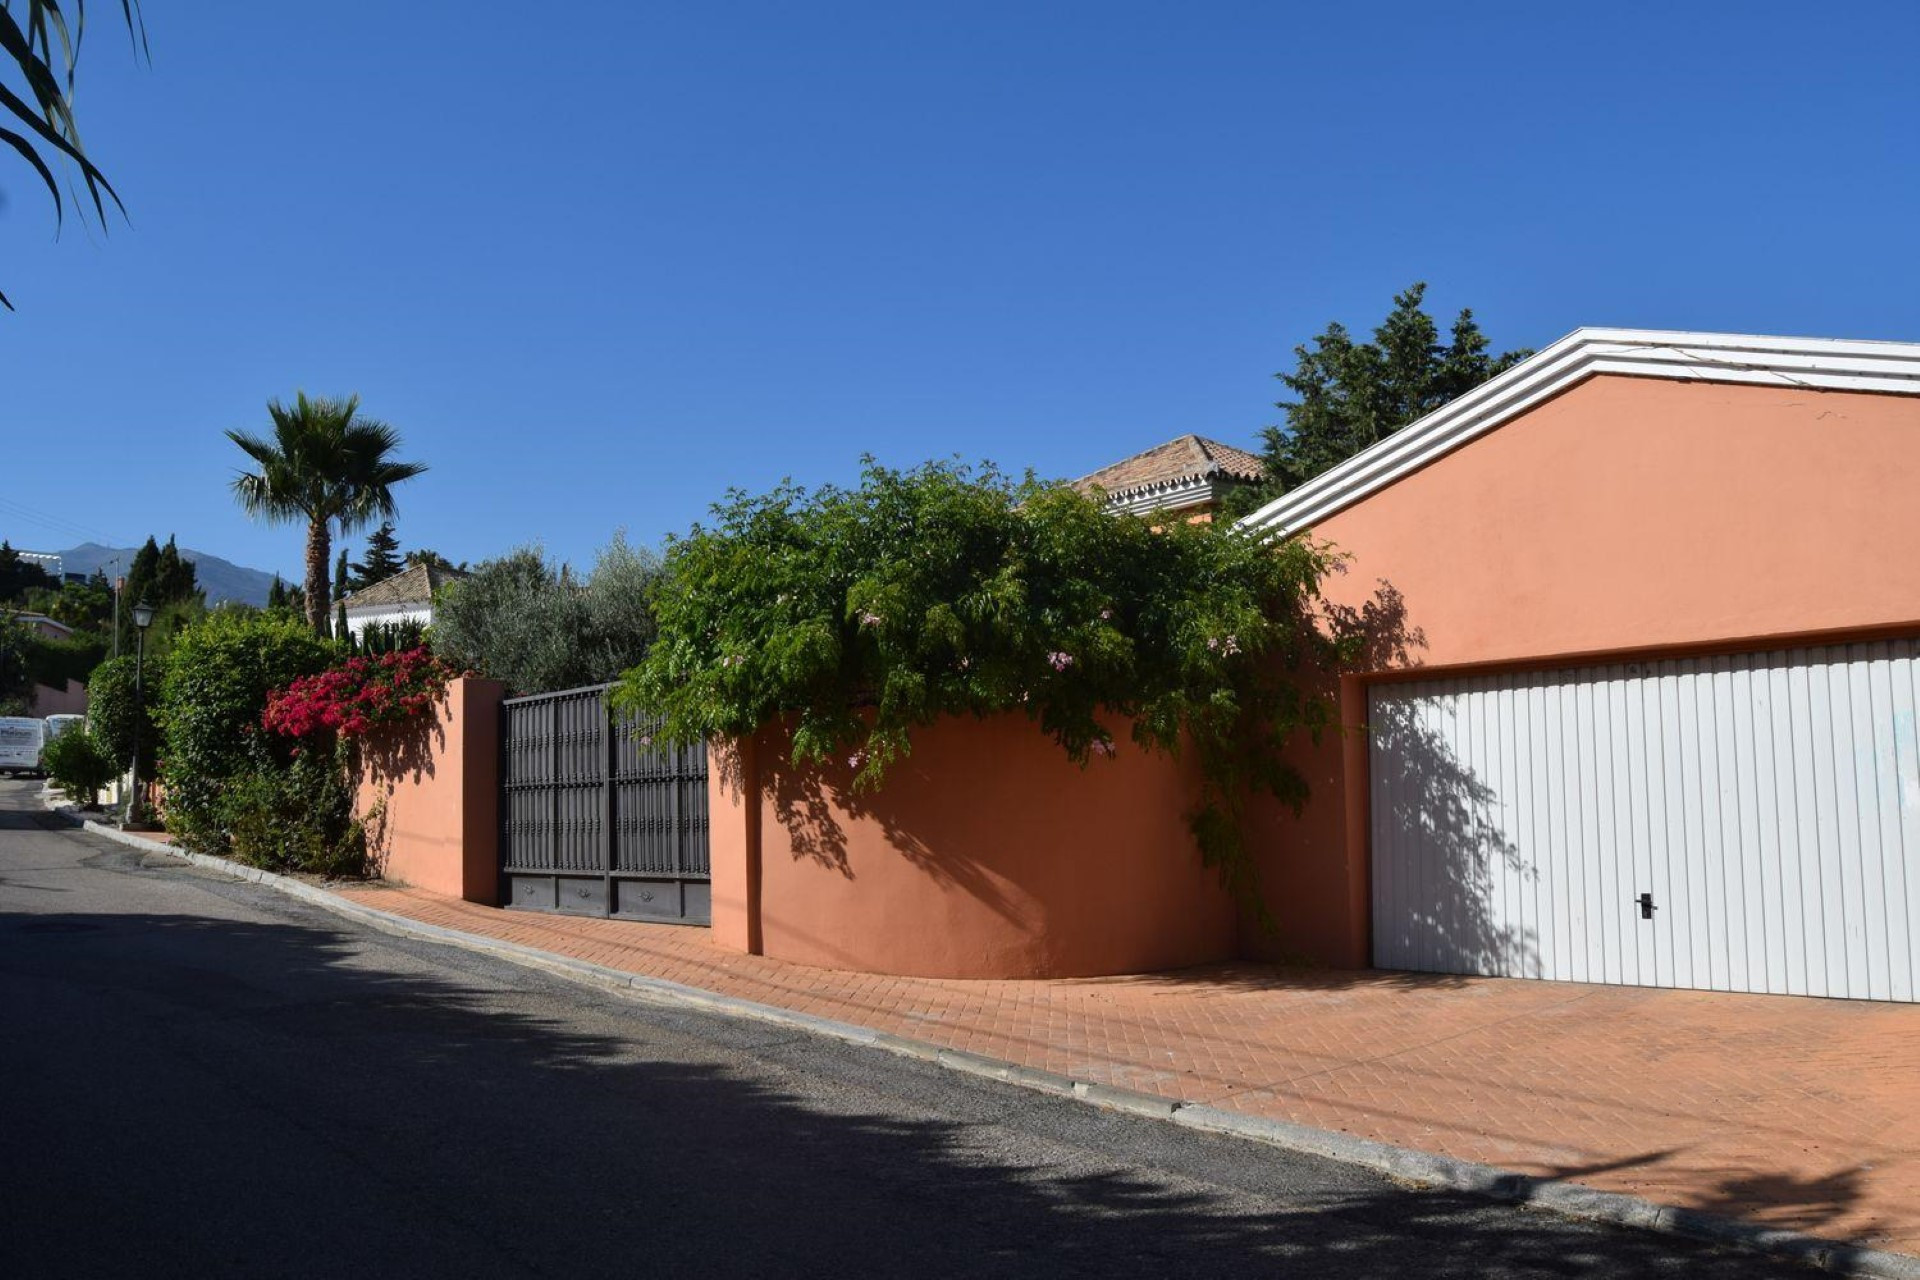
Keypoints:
pixel 1187 491
pixel 1829 364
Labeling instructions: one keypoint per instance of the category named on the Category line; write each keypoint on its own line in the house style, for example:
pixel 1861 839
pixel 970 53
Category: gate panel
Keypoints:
pixel 595 819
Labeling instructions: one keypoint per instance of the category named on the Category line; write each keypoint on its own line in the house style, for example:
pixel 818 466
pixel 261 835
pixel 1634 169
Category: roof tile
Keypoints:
pixel 1190 457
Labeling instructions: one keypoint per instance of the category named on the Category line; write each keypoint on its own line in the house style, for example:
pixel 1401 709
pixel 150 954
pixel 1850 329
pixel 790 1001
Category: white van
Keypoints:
pixel 21 740
pixel 57 725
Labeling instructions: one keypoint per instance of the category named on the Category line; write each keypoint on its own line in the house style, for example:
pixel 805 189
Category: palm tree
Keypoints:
pixel 328 466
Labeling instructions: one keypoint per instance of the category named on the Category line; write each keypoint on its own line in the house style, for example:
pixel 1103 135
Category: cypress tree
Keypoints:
pixel 142 577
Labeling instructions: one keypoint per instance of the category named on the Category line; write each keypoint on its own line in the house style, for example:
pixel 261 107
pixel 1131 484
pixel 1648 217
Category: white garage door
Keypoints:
pixel 1744 823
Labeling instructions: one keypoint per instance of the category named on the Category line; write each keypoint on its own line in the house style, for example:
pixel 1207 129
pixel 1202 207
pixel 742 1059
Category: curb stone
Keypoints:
pixel 1417 1168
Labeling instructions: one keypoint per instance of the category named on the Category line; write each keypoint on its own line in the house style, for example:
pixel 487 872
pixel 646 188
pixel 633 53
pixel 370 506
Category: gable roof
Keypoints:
pixel 415 586
pixel 1180 463
pixel 1831 364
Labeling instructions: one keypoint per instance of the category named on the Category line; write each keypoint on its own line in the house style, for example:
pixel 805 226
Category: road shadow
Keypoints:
pixel 188 1095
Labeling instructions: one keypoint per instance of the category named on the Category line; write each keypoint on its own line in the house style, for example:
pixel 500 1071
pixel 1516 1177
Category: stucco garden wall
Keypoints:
pixel 430 796
pixel 987 854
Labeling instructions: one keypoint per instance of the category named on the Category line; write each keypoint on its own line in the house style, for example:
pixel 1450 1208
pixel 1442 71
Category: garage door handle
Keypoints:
pixel 1646 906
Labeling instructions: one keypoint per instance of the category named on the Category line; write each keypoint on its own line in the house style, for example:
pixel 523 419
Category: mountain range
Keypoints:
pixel 221 579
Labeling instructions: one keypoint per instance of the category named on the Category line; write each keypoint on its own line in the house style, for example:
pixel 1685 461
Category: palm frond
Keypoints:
pixel 325 461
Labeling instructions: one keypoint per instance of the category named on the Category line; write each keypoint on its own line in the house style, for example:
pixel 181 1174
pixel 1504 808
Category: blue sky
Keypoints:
pixel 599 270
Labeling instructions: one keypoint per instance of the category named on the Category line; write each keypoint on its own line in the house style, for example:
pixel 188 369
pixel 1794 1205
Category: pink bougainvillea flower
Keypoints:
pixel 1060 661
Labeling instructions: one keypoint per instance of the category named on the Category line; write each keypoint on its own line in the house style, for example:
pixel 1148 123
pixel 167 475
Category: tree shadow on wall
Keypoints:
pixel 406 753
pixel 1430 800
pixel 1443 863
pixel 1374 636
pixel 417 1121
pixel 810 801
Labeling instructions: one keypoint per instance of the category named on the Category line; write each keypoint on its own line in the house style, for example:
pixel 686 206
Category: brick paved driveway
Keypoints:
pixel 1795 1112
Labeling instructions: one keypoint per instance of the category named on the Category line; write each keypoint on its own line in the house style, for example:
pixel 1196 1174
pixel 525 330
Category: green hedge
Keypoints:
pixel 111 713
pixel 214 692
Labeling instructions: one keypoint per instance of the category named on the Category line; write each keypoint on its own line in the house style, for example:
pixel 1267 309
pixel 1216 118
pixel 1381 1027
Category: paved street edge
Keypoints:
pixel 1402 1164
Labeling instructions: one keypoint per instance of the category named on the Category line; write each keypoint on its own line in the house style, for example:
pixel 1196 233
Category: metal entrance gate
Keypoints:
pixel 593 822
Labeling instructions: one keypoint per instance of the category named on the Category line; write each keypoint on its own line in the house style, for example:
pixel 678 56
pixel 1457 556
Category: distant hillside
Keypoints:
pixel 221 579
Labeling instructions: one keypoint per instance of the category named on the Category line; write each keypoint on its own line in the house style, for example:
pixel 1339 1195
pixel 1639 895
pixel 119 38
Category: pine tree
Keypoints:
pixel 383 558
pixel 1352 395
pixel 277 594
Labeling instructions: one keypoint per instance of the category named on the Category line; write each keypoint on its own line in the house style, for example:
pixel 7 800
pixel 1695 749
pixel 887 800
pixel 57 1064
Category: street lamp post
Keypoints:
pixel 142 619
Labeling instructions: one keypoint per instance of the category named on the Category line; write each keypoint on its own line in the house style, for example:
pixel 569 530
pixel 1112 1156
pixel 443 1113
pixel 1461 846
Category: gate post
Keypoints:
pixel 733 842
pixel 479 719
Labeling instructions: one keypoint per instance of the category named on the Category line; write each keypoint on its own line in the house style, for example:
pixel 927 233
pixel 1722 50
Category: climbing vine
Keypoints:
pixel 853 616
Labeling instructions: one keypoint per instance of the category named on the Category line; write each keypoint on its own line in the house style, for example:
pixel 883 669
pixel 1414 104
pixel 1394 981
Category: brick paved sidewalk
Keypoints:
pixel 1795 1112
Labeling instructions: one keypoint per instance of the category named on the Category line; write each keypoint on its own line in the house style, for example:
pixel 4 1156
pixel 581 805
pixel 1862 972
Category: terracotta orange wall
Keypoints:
pixel 988 854
pixel 430 798
pixel 1627 515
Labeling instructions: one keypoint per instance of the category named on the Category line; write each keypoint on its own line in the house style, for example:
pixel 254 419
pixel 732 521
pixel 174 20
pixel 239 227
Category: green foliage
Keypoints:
pixel 528 623
pixel 383 558
pixel 389 637
pixel 325 466
pixel 294 814
pixel 28 658
pixel 853 617
pixel 17 641
pixel 78 765
pixel 424 555
pixel 53 661
pixel 165 579
pixel 282 598
pixel 218 679
pixel 84 606
pixel 19 576
pixel 112 710
pixel 1353 394
pixel 37 41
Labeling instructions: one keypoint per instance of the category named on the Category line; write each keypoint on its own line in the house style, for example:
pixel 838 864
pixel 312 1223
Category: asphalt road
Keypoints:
pixel 199 1077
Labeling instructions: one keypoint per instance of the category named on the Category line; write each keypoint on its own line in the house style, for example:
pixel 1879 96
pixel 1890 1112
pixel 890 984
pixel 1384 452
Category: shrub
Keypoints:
pixel 78 765
pixel 295 815
pixel 529 624
pixel 111 711
pixel 16 663
pixel 54 662
pixel 855 616
pixel 389 637
pixel 219 676
pixel 359 696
